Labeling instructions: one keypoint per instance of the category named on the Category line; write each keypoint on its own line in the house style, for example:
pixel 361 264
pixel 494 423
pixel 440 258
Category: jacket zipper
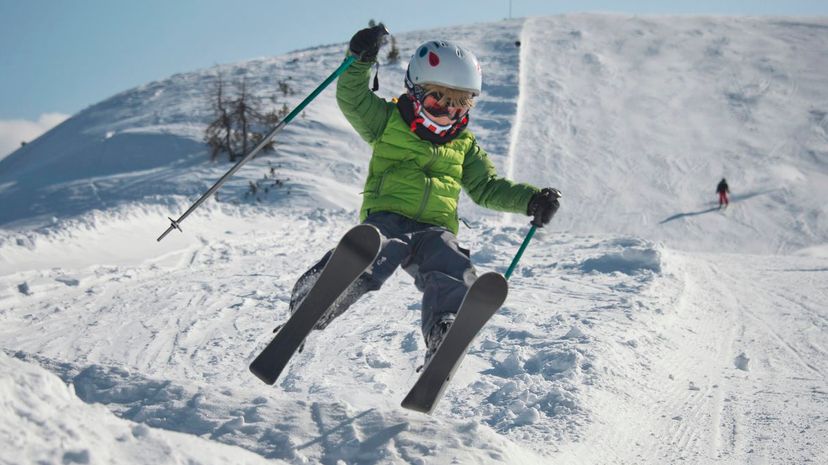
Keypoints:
pixel 382 180
pixel 428 183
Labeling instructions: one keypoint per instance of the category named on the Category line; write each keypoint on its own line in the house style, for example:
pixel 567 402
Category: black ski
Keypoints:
pixel 482 300
pixel 355 252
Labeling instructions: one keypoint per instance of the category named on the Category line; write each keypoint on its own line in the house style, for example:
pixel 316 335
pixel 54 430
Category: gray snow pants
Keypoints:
pixel 442 270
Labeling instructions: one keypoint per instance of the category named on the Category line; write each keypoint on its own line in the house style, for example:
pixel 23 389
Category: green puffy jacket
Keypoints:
pixel 416 178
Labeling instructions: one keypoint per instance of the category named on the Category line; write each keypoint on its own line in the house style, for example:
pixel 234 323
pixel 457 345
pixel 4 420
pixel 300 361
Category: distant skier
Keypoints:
pixel 423 155
pixel 722 189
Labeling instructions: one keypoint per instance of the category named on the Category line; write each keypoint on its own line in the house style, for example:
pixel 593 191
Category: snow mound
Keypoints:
pixel 45 422
pixel 628 261
pixel 635 257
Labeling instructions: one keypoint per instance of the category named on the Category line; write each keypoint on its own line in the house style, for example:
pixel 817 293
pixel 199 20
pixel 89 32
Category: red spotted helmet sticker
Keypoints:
pixel 433 59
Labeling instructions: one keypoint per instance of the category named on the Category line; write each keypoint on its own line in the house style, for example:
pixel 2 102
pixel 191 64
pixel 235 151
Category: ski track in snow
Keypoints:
pixel 630 335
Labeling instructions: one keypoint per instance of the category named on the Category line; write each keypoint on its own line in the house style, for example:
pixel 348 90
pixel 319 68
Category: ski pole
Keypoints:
pixel 176 224
pixel 520 251
pixel 536 223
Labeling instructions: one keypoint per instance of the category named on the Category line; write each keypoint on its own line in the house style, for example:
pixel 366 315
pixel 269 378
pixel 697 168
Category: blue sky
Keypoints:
pixel 61 56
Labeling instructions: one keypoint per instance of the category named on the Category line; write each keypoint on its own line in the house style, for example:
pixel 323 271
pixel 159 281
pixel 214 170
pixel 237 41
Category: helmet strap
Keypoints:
pixel 416 91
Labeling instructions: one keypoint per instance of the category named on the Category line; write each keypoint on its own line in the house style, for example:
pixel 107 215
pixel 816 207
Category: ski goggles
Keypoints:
pixel 431 104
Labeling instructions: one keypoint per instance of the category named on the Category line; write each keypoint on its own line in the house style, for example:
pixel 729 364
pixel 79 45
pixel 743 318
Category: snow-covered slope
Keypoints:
pixel 638 119
pixel 632 334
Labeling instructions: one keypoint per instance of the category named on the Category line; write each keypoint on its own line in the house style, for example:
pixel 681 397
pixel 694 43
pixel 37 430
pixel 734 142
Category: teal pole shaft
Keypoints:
pixel 345 64
pixel 520 251
pixel 175 224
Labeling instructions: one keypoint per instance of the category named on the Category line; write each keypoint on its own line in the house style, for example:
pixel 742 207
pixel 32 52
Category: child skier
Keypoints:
pixel 423 155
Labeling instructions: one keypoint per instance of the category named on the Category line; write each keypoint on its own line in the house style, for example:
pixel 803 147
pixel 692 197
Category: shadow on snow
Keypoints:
pixel 733 199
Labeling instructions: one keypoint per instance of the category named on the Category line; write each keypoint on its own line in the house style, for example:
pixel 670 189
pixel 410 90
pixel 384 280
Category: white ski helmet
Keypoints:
pixel 446 64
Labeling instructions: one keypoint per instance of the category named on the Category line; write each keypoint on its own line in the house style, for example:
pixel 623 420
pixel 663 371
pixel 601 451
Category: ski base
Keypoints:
pixel 482 300
pixel 355 252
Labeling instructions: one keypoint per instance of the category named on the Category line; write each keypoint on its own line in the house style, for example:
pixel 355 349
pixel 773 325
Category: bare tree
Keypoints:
pixel 239 123
pixel 219 133
pixel 243 112
pixel 394 53
pixel 285 88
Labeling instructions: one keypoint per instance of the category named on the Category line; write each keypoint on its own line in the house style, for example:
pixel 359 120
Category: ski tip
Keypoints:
pixel 495 284
pixel 365 230
pixel 364 240
pixel 366 235
pixel 492 277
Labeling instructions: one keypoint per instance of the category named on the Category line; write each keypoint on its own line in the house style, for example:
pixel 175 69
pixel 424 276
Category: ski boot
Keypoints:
pixel 435 336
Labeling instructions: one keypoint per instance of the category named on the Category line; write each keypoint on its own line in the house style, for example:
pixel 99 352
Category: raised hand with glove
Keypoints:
pixel 365 44
pixel 543 205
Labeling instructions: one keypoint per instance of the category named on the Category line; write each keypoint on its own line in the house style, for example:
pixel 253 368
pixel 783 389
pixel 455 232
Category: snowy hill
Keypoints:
pixel 642 117
pixel 635 119
pixel 643 326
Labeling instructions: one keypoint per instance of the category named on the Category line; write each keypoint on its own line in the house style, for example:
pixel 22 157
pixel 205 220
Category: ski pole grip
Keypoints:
pixel 537 220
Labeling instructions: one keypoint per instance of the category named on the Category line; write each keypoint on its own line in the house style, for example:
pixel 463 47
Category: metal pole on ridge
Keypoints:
pixel 176 224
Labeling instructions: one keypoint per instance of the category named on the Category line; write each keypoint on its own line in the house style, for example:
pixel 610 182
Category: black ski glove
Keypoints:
pixel 365 44
pixel 543 206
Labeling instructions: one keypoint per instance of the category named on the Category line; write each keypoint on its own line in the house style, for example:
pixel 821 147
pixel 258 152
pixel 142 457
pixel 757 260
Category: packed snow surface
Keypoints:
pixel 643 326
